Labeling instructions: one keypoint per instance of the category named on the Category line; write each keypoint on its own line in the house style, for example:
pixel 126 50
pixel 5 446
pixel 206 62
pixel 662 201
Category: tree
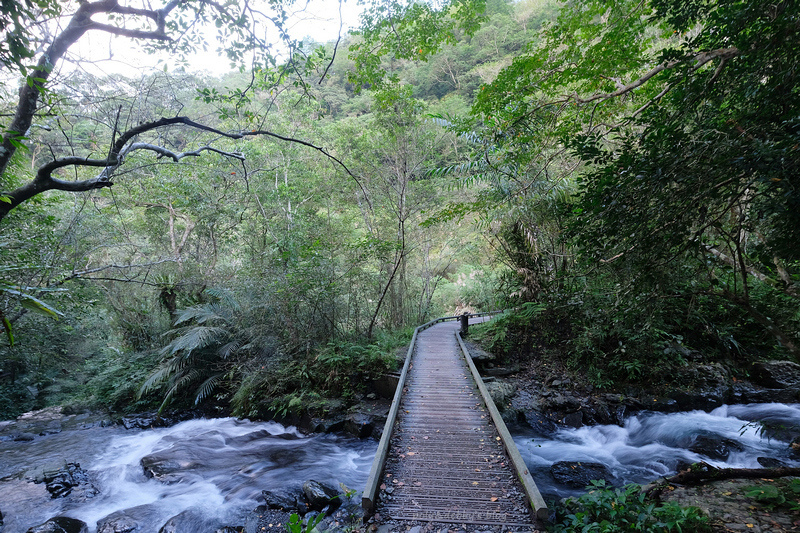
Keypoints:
pixel 175 27
pixel 681 119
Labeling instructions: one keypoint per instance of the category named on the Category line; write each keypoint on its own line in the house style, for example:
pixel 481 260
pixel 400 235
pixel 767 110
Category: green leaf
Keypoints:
pixel 37 306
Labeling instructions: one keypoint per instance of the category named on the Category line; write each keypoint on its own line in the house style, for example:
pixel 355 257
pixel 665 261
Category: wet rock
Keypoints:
pixel 351 512
pixel 579 474
pixel 573 420
pixel 319 496
pixel 189 521
pixel 327 425
pixel 770 462
pixel 478 354
pixel 128 520
pixel 745 392
pixel 777 374
pixel 61 524
pixel 24 437
pixel 360 425
pixel 541 423
pixel 141 422
pixel 284 500
pixel 264 519
pixel 118 524
pixel 166 466
pixel 714 447
pixel 61 482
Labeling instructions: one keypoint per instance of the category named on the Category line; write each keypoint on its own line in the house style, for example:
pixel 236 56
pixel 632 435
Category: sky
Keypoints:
pixel 319 19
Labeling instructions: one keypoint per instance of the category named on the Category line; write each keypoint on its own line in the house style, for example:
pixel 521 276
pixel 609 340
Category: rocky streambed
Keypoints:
pixel 86 473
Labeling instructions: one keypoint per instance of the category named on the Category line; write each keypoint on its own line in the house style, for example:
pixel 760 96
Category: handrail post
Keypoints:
pixel 464 318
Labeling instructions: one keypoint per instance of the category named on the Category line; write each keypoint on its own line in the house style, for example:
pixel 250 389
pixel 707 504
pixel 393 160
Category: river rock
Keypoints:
pixel 703 387
pixel 501 393
pixel 714 447
pixel 284 500
pixel 189 521
pixel 61 482
pixel 61 524
pixel 263 519
pixel 578 474
pixel 360 425
pixel 129 520
pixel 770 462
pixel 166 466
pixel 777 374
pixel 319 496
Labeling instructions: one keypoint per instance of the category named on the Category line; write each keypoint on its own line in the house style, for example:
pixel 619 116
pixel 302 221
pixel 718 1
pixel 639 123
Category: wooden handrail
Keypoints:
pixel 532 493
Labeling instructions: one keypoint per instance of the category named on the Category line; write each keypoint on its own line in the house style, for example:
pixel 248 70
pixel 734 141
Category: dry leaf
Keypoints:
pixel 493 498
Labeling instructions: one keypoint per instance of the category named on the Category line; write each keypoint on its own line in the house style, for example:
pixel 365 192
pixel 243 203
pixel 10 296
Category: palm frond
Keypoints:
pixel 206 388
pixel 224 296
pixel 197 338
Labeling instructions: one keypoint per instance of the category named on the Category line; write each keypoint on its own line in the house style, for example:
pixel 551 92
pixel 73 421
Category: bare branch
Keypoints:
pixel 699 60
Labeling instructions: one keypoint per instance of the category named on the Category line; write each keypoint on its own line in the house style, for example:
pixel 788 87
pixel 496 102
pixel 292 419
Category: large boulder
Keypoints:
pixel 705 387
pixel 61 524
pixel 501 393
pixel 578 474
pixel 776 374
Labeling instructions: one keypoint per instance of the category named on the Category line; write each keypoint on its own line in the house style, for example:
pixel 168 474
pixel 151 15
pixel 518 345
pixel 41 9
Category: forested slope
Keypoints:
pixel 623 174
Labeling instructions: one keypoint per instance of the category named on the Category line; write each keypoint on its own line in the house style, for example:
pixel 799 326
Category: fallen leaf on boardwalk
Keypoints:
pixel 474 482
pixel 400 484
pixel 383 486
pixel 417 483
pixel 411 453
pixel 493 498
pixel 477 469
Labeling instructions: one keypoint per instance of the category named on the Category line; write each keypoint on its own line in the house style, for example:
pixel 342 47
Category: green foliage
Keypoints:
pixel 773 496
pixel 212 345
pixel 16 49
pixel 408 30
pixel 297 525
pixel 608 510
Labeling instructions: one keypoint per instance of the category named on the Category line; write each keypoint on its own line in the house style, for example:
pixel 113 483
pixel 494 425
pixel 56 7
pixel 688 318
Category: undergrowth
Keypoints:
pixel 608 510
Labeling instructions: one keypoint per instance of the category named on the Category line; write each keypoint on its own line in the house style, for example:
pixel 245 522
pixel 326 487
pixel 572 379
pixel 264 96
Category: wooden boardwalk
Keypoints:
pixel 447 461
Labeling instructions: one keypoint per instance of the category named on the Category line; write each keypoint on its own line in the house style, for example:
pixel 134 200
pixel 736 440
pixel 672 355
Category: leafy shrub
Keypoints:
pixel 609 510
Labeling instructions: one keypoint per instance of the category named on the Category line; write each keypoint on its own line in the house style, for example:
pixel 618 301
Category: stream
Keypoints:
pixel 652 445
pixel 217 468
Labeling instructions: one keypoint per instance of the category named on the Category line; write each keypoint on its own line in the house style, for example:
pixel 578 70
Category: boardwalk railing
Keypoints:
pixel 369 495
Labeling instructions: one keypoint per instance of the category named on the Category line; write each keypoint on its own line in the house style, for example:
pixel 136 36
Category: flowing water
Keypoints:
pixel 217 467
pixel 652 445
